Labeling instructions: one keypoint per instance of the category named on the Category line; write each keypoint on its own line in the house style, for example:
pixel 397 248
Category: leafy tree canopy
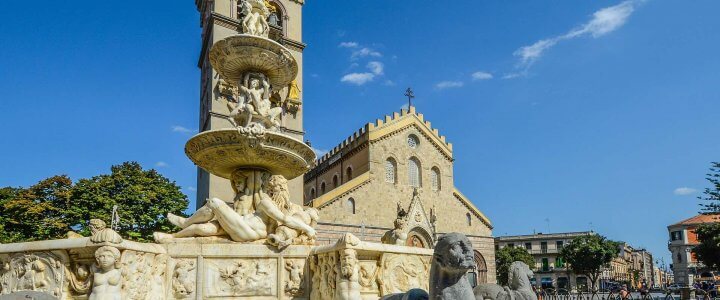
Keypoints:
pixel 54 206
pixel 712 194
pixel 506 256
pixel 36 213
pixel 588 254
pixel 708 250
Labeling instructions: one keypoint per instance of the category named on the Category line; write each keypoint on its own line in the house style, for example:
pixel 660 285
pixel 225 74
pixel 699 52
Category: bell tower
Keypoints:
pixel 219 20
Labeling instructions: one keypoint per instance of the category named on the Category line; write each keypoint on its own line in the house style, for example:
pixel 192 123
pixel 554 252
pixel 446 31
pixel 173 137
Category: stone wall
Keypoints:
pixel 363 270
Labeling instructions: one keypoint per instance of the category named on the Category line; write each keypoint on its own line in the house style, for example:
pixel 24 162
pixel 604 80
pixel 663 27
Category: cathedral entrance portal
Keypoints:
pixel 419 238
pixel 481 269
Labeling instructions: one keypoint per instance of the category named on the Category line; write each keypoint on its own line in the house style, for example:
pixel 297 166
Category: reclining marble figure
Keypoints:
pixel 253 215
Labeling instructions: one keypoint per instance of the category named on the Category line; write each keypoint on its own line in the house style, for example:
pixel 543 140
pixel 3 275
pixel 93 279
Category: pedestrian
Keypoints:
pixel 624 293
pixel 643 289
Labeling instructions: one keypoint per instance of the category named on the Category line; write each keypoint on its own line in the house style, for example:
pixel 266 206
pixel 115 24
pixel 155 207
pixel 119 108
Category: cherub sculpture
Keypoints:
pixel 254 100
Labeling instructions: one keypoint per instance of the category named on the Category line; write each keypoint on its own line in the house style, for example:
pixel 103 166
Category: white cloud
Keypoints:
pixel 529 54
pixel 480 75
pixel 604 21
pixel 515 75
pixel 448 84
pixel 180 129
pixel 608 19
pixel 684 191
pixel 358 78
pixel 365 52
pixel 191 188
pixel 376 67
pixel 161 164
pixel 389 83
pixel 348 45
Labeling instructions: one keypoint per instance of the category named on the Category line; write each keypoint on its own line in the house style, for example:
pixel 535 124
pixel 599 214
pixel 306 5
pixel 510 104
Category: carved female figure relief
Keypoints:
pixel 107 278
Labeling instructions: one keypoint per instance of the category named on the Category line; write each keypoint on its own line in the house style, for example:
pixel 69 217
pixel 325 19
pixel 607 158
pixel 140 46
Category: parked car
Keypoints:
pixel 674 288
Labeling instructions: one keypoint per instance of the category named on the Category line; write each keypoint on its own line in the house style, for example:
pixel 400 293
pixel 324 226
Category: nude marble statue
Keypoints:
pixel 107 278
pixel 251 217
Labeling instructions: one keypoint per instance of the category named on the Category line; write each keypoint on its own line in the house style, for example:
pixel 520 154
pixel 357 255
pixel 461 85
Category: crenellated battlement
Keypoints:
pixel 380 125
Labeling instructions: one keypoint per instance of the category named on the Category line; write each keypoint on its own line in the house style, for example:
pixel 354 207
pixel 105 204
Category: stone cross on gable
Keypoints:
pixel 409 93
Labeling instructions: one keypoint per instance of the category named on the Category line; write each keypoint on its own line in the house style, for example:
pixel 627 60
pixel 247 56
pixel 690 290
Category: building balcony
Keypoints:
pixel 543 251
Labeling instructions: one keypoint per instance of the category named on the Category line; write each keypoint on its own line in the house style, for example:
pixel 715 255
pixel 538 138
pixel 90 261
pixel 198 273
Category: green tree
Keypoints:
pixel 588 254
pixel 506 256
pixel 708 249
pixel 38 212
pixel 6 235
pixel 143 197
pixel 712 193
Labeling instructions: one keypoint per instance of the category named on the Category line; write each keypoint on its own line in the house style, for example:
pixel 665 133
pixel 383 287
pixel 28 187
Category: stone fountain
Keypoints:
pixel 258 245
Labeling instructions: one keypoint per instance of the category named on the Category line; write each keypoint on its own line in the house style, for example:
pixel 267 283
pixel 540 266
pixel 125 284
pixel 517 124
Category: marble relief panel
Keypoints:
pixel 240 277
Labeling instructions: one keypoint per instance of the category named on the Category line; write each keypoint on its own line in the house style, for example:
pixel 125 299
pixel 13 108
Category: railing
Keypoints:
pixel 563 294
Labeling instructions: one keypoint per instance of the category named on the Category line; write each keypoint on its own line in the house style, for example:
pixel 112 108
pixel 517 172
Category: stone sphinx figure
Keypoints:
pixel 452 259
pixel 251 217
pixel 519 286
pixel 107 278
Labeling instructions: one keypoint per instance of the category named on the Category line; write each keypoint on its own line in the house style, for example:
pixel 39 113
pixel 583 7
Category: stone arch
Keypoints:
pixel 348 173
pixel 391 170
pixel 481 270
pixel 350 205
pixel 414 172
pixel 420 238
pixel 435 179
pixel 281 14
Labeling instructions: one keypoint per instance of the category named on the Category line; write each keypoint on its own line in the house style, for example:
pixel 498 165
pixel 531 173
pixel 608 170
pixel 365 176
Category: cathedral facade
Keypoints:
pixel 396 170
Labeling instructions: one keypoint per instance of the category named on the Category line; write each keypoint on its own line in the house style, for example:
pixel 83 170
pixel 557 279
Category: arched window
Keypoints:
pixel 435 178
pixel 469 219
pixel 312 193
pixel 390 170
pixel 413 141
pixel 322 188
pixel 335 181
pixel 414 176
pixel 348 174
pixel 350 206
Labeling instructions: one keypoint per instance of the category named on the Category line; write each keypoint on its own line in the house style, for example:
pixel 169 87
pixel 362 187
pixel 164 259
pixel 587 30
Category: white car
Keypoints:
pixel 675 288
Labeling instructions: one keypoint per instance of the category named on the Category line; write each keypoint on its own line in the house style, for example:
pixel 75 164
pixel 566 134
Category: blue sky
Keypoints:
pixel 564 115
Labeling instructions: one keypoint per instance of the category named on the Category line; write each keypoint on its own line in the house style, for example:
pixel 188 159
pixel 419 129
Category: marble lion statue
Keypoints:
pixel 519 287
